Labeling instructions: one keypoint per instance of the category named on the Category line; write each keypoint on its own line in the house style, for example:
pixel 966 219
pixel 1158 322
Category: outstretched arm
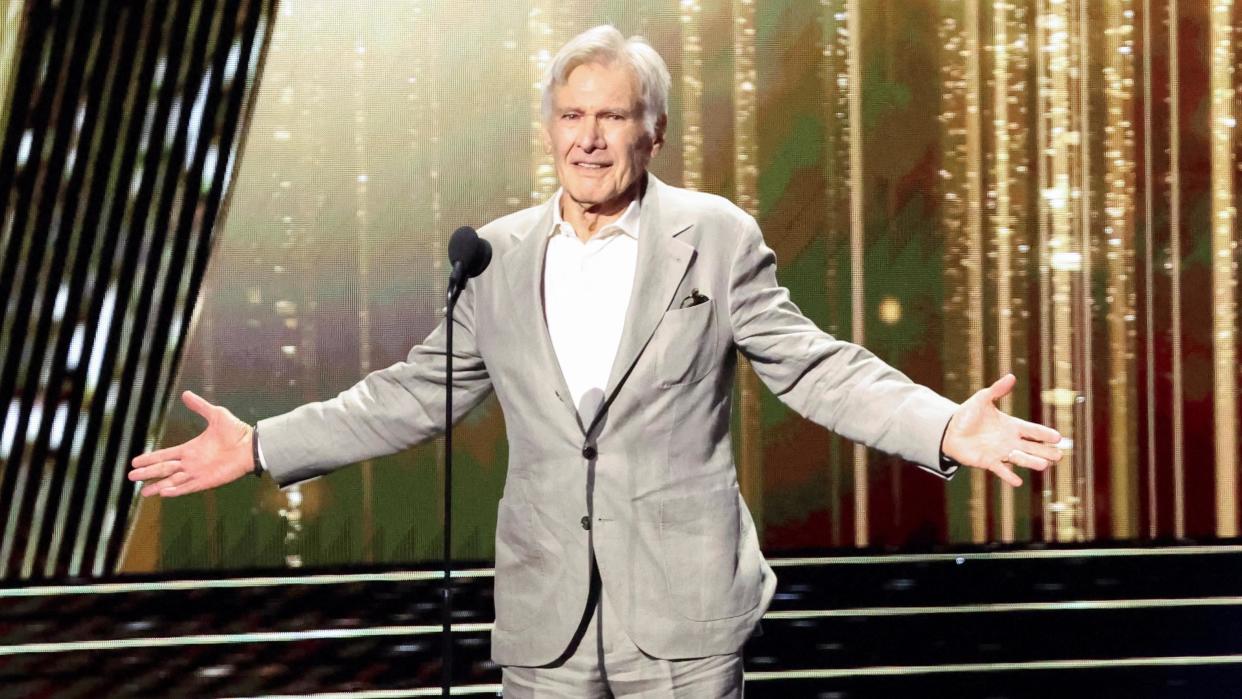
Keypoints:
pixel 847 389
pixel 388 411
pixel 837 384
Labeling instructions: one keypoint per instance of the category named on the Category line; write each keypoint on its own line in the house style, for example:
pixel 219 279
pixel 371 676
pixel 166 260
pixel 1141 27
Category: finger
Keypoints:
pixel 1006 474
pixel 1017 457
pixel 152 488
pixel 1037 432
pixel 154 457
pixel 197 403
pixel 161 470
pixel 1002 387
pixel 1042 450
pixel 176 484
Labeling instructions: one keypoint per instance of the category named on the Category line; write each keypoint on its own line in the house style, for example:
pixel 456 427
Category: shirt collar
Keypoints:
pixel 627 223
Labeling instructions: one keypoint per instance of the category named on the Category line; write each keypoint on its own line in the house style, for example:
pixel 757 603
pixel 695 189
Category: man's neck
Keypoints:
pixel 587 220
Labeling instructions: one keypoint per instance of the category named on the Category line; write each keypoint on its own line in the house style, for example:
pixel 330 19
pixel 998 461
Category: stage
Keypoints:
pixel 1036 622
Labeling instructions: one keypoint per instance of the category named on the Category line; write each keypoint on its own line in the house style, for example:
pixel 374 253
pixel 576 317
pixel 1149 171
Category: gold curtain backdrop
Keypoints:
pixel 1042 187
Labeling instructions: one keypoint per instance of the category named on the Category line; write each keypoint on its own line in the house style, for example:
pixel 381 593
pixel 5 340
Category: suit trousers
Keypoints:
pixel 602 662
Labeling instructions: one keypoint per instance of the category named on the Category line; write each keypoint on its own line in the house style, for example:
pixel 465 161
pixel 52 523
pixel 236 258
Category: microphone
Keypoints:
pixel 469 254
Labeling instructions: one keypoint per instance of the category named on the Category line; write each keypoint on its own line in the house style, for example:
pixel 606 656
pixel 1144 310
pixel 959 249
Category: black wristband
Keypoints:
pixel 948 464
pixel 257 471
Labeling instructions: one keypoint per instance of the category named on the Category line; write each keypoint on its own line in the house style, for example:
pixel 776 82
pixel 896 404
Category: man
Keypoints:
pixel 608 325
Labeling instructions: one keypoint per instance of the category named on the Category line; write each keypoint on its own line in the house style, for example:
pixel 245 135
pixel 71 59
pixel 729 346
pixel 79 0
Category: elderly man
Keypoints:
pixel 608 326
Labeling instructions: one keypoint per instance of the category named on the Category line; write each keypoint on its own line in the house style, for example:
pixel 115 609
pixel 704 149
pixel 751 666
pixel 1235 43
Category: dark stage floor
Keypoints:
pixel 1124 622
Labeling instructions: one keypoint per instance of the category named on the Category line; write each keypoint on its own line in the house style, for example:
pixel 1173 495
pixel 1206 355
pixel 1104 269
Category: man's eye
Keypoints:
pixel 569 116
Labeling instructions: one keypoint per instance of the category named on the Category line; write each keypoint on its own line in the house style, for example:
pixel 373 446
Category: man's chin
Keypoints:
pixel 587 199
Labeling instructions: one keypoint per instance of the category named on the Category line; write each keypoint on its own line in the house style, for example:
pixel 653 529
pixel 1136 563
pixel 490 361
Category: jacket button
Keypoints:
pixel 586 523
pixel 589 452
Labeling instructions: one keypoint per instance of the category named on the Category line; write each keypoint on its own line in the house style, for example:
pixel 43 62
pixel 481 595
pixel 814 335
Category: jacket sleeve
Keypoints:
pixel 836 384
pixel 390 410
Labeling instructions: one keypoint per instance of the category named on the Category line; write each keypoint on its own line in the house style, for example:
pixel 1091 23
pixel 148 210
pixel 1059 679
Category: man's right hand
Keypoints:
pixel 222 453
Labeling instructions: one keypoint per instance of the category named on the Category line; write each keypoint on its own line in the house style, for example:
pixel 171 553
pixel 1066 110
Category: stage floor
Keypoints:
pixel 1064 622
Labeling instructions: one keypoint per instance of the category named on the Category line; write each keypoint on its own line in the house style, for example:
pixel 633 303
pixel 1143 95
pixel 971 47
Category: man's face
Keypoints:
pixel 597 135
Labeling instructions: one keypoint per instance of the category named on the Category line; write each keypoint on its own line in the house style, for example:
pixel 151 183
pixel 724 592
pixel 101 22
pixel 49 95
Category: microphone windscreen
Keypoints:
pixel 462 245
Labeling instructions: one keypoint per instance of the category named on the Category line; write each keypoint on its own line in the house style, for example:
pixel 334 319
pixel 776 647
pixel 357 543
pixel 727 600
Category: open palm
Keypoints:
pixel 981 436
pixel 221 453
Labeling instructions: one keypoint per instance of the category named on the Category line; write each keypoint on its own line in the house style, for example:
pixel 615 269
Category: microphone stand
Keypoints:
pixel 446 677
pixel 469 255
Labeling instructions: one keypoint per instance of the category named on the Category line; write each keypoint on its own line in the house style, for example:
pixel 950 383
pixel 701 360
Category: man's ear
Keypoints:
pixel 546 138
pixel 658 141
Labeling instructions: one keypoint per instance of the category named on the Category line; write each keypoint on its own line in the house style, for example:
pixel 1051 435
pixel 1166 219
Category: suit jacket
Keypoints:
pixel 648 481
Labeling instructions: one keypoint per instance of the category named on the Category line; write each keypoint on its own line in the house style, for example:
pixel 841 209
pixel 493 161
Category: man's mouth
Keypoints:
pixel 593 166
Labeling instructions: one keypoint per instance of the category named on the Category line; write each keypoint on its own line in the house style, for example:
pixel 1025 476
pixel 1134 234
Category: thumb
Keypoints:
pixel 197 403
pixel 1002 387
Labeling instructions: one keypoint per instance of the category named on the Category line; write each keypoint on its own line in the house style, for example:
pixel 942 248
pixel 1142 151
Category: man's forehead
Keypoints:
pixel 599 82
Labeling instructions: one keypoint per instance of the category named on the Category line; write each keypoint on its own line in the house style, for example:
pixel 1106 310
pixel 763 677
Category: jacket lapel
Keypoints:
pixel 662 263
pixel 523 266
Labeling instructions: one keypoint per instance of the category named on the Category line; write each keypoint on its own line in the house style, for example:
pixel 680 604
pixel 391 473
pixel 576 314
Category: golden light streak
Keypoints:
pixel 1175 279
pixel 974 253
pixel 292 303
pixel 746 166
pixel 692 95
pixel 746 195
pixel 1118 232
pixel 857 242
pixel 1003 225
pixel 953 175
pixel 1063 257
pixel 362 269
pixel 1044 100
pixel 427 134
pixel 1224 278
pixel 211 500
pixel 1020 213
pixel 834 80
pixel 541 38
pixel 1149 225
pixel 963 350
pixel 1084 512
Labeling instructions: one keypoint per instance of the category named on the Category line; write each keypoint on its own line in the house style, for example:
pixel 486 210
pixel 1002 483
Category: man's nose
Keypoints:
pixel 589 136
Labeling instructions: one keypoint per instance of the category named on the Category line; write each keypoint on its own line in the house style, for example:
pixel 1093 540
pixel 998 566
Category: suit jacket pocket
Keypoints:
pixel 701 539
pixel 687 344
pixel 521 564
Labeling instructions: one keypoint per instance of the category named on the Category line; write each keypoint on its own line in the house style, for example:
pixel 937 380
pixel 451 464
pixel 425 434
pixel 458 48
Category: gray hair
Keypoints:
pixel 604 44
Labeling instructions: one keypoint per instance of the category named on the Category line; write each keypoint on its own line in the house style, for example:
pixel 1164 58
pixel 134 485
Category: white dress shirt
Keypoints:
pixel 586 291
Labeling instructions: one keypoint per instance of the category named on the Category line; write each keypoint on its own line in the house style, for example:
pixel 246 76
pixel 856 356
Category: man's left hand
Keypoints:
pixel 982 436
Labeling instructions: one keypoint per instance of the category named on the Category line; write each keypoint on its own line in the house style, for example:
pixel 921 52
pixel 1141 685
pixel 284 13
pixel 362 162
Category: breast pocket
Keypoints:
pixel 687 344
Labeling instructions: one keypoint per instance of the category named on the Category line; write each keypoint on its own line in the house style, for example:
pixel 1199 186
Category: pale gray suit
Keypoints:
pixel 653 474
